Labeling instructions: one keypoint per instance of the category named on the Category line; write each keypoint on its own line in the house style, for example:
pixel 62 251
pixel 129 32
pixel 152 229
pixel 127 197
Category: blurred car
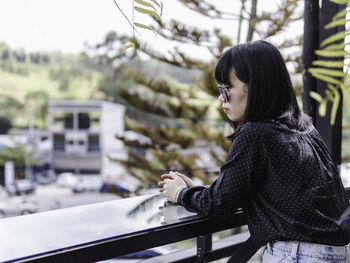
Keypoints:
pixel 87 183
pixel 17 206
pixel 67 180
pixel 115 188
pixel 20 187
pixel 47 177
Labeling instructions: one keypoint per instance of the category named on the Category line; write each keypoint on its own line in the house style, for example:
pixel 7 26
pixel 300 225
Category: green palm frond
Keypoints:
pixel 156 14
pixel 316 96
pixel 335 23
pixel 329 64
pixel 128 46
pixel 332 72
pixel 335 99
pixel 147 11
pixel 325 78
pixel 328 72
pixel 141 2
pixel 339 46
pixel 341 13
pixel 338 36
pixel 340 2
pixel 330 53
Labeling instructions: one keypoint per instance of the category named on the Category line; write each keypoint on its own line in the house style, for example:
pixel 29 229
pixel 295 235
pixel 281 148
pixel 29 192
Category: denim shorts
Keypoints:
pixel 303 252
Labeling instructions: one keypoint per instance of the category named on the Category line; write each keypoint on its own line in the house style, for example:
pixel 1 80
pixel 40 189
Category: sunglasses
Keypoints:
pixel 223 91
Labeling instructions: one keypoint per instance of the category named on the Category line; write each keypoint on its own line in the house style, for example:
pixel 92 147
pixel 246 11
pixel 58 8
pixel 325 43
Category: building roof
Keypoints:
pixel 82 104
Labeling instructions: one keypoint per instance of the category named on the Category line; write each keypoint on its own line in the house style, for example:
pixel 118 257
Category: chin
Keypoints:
pixel 234 118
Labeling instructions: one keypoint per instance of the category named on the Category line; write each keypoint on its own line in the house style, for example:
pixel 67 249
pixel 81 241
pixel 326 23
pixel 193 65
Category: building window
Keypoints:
pixel 68 121
pixel 58 120
pixel 83 121
pixel 58 143
pixel 95 119
pixel 94 143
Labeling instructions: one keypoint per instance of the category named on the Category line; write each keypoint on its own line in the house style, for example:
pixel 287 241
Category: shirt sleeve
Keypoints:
pixel 237 183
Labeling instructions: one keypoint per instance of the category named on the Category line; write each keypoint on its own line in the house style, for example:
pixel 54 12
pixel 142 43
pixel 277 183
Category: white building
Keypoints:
pixel 82 135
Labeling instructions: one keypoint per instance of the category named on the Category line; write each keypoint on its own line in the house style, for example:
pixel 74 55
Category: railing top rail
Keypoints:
pixel 86 233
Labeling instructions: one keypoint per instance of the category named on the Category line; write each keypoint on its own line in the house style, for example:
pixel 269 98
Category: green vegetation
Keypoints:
pixel 28 81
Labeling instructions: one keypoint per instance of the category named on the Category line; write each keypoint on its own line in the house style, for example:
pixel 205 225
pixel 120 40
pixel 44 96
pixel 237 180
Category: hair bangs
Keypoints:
pixel 223 69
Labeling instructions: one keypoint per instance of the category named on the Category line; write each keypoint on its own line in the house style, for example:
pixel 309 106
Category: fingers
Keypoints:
pixel 161 183
pixel 167 181
pixel 165 176
pixel 182 176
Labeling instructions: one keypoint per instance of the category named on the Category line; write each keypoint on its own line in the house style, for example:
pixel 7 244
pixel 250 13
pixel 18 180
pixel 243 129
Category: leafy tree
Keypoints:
pixel 4 51
pixel 10 107
pixel 5 125
pixel 20 55
pixel 19 155
pixel 36 103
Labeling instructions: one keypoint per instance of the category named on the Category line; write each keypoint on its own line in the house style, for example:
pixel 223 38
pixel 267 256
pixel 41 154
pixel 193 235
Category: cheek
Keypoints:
pixel 238 105
pixel 239 99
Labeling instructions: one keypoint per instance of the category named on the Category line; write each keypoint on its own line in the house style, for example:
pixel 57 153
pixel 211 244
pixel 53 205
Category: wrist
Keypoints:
pixel 177 193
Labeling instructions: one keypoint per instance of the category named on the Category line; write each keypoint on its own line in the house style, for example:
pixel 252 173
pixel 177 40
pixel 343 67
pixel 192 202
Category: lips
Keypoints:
pixel 225 109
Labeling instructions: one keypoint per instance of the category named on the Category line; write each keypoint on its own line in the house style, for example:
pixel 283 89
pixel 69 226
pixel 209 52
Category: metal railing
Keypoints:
pixel 107 230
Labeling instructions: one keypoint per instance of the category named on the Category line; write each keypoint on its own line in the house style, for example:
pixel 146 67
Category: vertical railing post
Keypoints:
pixel 204 246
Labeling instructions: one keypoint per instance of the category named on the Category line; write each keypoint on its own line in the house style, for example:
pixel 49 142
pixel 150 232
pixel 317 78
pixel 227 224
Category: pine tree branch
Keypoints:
pixel 157 141
pixel 208 10
pixel 177 58
pixel 157 85
pixel 279 19
pixel 138 101
pixel 180 32
pixel 134 143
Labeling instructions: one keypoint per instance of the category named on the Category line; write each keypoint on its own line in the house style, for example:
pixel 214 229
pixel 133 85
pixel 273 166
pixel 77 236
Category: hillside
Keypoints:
pixel 28 92
pixel 29 80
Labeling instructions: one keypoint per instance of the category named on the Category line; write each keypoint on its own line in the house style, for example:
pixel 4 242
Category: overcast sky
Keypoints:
pixel 58 24
pixel 65 25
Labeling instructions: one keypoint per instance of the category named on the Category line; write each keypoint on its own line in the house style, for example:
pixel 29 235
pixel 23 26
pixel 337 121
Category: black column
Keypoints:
pixel 330 134
pixel 310 44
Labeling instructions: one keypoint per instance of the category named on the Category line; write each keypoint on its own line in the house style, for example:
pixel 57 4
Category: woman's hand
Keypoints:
pixel 187 180
pixel 171 186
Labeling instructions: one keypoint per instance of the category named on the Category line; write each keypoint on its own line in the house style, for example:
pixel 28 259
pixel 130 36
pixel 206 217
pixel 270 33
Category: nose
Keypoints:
pixel 221 98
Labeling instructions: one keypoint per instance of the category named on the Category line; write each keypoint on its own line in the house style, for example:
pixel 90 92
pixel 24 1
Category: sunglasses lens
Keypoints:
pixel 223 93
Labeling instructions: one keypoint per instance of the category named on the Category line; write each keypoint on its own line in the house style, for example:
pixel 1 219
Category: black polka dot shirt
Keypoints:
pixel 285 181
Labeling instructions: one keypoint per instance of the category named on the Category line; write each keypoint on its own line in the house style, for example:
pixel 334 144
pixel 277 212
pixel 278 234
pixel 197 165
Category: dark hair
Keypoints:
pixel 270 91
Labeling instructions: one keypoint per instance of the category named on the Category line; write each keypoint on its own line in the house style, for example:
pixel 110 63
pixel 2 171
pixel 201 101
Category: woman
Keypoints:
pixel 278 169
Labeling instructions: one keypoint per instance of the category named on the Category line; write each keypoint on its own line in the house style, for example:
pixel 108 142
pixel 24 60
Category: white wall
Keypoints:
pixel 112 123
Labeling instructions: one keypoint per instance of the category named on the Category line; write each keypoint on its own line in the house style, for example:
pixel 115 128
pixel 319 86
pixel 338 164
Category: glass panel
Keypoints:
pixel 47 231
pixel 58 120
pixel 95 119
pixel 58 143
pixel 94 143
pixel 83 121
pixel 68 120
pixel 70 142
pixel 345 174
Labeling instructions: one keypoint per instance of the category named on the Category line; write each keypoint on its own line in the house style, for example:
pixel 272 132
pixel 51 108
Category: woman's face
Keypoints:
pixel 237 98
